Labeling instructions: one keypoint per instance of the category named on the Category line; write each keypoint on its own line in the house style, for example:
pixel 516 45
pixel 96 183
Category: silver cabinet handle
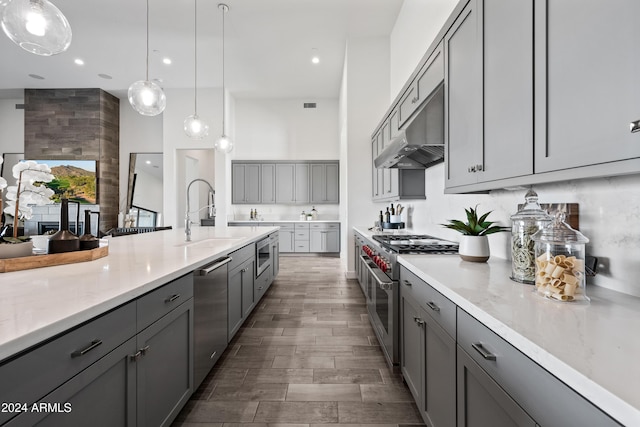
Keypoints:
pixel 213 355
pixel 144 350
pixel 386 286
pixel 483 352
pixel 406 282
pixel 136 356
pixel 418 320
pixel 634 126
pixel 260 288
pixel 172 298
pixel 205 271
pixel 433 306
pixel 479 168
pixel 95 343
pixel 414 100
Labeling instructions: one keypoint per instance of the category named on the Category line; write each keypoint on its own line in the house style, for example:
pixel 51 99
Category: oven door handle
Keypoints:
pixel 386 285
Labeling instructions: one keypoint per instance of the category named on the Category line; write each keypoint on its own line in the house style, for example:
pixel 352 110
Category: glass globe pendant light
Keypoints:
pixel 37 26
pixel 223 144
pixel 146 97
pixel 194 127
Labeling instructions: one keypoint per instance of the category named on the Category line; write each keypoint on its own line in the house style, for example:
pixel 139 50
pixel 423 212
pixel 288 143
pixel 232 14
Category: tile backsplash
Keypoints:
pixel 609 210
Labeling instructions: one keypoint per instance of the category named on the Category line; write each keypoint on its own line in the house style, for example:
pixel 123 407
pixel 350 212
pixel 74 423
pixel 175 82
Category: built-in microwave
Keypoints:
pixel 263 255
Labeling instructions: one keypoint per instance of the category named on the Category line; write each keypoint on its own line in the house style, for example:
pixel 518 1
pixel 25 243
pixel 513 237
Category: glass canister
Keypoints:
pixel 560 255
pixel 524 224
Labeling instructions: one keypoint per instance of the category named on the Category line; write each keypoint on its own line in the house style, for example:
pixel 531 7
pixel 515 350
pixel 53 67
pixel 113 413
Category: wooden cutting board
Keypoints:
pixel 37 261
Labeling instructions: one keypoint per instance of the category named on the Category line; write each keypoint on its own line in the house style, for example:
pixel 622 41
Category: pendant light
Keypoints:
pixel 224 143
pixel 37 26
pixel 194 127
pixel 146 97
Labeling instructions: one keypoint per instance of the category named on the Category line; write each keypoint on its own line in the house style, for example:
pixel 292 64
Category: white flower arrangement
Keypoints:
pixel 26 192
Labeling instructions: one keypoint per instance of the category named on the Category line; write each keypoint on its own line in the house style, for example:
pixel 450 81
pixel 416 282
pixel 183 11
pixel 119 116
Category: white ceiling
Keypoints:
pixel 268 45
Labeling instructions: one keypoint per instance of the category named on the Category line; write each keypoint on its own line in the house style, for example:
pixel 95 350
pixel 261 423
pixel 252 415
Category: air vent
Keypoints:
pixel 309 105
pixel 19 106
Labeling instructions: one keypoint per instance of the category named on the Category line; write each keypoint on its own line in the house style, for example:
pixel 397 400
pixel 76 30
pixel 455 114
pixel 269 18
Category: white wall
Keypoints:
pixel 418 23
pixel 11 127
pixel 609 207
pixel 364 97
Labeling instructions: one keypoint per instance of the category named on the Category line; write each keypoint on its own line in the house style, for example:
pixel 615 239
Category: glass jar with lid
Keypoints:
pixel 560 256
pixel 524 224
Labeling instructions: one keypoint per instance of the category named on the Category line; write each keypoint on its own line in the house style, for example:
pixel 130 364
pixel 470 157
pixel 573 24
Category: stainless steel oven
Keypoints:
pixel 263 255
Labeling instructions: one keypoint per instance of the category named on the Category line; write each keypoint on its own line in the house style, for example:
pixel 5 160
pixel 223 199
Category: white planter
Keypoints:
pixel 474 248
pixel 16 250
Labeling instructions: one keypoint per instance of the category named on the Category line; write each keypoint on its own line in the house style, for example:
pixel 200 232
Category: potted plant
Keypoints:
pixel 27 192
pixel 474 245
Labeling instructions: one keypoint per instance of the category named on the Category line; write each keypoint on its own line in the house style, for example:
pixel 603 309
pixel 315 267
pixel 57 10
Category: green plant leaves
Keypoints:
pixel 475 226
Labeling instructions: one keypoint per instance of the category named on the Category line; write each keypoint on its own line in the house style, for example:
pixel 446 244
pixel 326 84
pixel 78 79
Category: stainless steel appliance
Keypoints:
pixel 380 261
pixel 263 255
pixel 210 317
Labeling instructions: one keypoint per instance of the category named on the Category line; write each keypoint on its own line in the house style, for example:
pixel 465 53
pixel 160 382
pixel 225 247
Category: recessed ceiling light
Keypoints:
pixel 105 76
pixel 166 61
pixel 78 61
pixel 315 60
pixel 148 162
pixel 35 76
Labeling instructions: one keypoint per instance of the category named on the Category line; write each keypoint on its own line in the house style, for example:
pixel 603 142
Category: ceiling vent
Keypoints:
pixel 309 105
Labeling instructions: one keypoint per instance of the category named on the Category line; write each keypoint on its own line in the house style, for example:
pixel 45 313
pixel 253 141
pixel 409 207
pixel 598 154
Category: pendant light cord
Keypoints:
pixel 224 9
pixel 147 73
pixel 195 56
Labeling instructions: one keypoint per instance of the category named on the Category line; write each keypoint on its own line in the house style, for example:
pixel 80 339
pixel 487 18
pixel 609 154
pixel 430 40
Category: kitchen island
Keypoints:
pixel 38 304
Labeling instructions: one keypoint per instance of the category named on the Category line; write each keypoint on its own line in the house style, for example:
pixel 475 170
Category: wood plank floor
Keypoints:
pixel 307 357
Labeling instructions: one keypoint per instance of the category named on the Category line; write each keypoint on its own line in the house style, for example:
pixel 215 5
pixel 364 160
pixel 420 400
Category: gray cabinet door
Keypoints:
pixel 508 89
pixel 302 183
pixel 463 99
pixel 285 183
pixel 332 241
pixel 411 342
pixel 268 183
pixel 287 239
pixel 102 395
pixel 439 378
pixel 165 367
pixel 586 80
pixel 234 306
pixel 324 183
pixel 482 402
pixel 317 240
pixel 248 297
pixel 332 183
pixel 375 187
pixel 245 183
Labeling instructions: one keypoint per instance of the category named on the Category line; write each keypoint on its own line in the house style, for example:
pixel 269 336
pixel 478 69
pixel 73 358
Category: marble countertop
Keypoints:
pixel 593 348
pixel 40 303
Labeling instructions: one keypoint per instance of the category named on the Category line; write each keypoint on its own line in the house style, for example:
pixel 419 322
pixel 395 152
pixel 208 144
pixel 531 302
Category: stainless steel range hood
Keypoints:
pixel 421 144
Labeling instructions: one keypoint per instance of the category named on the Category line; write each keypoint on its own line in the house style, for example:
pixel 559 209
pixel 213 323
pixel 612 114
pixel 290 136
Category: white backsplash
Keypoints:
pixel 609 216
pixel 282 212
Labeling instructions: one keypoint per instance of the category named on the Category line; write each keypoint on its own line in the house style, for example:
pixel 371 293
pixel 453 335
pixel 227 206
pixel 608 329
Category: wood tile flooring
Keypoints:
pixel 306 357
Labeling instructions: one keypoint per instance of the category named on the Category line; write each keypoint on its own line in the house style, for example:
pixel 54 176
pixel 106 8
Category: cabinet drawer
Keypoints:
pixel 161 301
pixel 302 226
pixel 261 283
pixel 31 376
pixel 302 235
pixel 241 255
pixel 439 307
pixel 286 226
pixel 301 246
pixel 518 376
pixel 325 226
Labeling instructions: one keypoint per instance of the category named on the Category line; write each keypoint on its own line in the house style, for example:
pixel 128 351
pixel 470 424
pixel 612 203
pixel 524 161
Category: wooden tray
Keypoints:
pixel 37 261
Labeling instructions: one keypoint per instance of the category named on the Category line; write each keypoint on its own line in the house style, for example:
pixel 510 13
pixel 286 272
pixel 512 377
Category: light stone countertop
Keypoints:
pixel 278 221
pixel 594 348
pixel 40 303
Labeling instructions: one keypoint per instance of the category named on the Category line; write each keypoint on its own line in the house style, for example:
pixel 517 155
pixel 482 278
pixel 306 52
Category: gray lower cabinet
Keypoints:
pixel 324 237
pixel 482 402
pixel 132 366
pixel 287 236
pixel 494 374
pixel 428 351
pixel 240 294
pixel 576 126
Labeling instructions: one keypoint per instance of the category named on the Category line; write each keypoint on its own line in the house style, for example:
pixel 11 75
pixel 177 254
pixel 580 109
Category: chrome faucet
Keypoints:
pixel 187 221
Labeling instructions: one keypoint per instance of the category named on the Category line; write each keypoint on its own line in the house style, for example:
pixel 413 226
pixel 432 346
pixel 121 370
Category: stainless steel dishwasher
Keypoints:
pixel 210 317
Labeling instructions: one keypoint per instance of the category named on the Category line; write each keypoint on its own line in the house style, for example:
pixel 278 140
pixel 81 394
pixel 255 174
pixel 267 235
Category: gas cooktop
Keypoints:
pixel 416 244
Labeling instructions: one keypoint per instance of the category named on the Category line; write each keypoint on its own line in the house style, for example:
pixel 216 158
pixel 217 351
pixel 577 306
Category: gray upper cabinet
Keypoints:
pixel 245 183
pixel 463 99
pixel 268 183
pixel 292 183
pixel 302 183
pixel 325 183
pixel 587 90
pixel 508 89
